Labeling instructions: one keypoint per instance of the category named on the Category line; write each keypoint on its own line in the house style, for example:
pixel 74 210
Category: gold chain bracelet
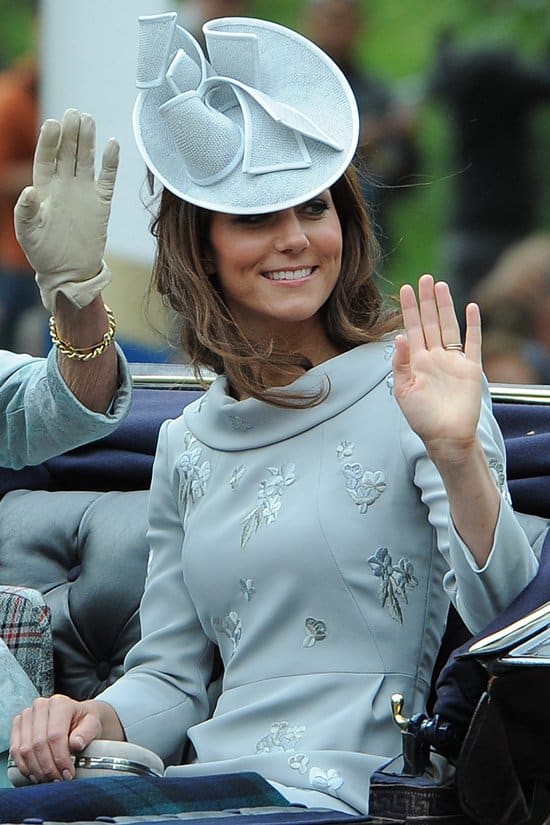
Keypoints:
pixel 86 353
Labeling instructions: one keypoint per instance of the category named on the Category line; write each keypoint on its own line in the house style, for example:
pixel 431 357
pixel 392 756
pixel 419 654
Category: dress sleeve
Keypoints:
pixel 163 690
pixel 39 415
pixel 479 594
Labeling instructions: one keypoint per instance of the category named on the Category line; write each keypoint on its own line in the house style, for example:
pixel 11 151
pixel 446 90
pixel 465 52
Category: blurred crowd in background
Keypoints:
pixel 454 158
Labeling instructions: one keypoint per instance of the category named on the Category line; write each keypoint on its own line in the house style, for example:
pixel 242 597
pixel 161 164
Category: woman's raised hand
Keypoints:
pixel 436 383
pixel 61 220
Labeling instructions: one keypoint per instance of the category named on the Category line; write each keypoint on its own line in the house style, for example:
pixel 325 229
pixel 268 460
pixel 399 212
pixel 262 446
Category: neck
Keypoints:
pixel 308 338
pixel 307 344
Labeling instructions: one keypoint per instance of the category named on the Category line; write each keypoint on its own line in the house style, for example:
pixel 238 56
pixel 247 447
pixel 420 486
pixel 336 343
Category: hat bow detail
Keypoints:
pixel 218 116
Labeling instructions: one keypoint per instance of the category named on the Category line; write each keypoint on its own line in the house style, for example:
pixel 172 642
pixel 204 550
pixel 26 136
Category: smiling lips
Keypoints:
pixel 289 274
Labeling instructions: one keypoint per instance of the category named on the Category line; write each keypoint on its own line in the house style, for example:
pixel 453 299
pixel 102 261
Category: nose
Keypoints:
pixel 290 235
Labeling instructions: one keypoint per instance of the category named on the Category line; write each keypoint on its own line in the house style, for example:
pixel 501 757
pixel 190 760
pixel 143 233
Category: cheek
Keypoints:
pixel 235 255
pixel 332 244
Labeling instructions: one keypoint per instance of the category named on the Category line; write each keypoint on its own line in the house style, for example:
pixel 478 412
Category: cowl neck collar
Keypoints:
pixel 223 423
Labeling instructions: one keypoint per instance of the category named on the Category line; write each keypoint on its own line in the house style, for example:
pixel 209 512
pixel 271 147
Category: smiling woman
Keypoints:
pixel 279 269
pixel 312 514
pixel 258 330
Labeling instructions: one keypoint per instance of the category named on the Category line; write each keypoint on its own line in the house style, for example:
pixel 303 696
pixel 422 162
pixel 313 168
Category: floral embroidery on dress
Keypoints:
pixel 239 423
pixel 390 381
pixel 316 631
pixel 329 781
pixel 231 626
pixel 236 476
pixel 395 581
pixel 247 588
pixel 344 450
pixel 299 762
pixel 193 474
pixel 497 471
pixel 389 350
pixel 269 500
pixel 364 486
pixel 281 737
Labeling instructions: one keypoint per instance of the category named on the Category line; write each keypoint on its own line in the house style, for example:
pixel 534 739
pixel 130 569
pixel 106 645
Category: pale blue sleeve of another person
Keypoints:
pixel 39 415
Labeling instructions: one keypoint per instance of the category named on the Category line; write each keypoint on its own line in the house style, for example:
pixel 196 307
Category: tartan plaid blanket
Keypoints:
pixel 87 799
pixel 264 816
pixel 25 629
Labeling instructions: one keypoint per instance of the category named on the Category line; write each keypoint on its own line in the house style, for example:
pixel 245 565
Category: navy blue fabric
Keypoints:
pixel 121 461
pixel 526 430
pixel 293 817
pixel 86 799
pixel 124 459
pixel 461 683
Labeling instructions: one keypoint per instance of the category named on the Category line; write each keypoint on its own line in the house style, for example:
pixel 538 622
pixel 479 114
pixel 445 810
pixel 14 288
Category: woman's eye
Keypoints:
pixel 316 207
pixel 250 220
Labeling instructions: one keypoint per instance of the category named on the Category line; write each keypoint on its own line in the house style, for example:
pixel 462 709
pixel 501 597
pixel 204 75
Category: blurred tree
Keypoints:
pixel 14 29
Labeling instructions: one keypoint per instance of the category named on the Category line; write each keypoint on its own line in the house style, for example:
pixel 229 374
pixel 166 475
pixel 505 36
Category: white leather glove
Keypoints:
pixel 61 220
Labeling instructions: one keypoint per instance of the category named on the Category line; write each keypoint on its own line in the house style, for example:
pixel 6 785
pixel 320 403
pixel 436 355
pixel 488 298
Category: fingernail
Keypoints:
pixel 67 774
pixel 80 742
pixel 33 779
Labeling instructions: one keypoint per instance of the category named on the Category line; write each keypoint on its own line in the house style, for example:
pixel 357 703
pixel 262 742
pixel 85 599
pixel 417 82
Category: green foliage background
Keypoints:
pixel 399 46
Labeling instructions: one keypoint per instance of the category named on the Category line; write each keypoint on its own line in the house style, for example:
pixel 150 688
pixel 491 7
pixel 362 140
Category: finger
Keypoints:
pixel 109 168
pixel 62 713
pixel 45 155
pixel 15 745
pixel 85 732
pixel 51 737
pixel 401 356
pixel 27 207
pixel 411 318
pixel 68 144
pixel 472 343
pixel 450 330
pixel 428 312
pixel 42 738
pixel 25 757
pixel 85 150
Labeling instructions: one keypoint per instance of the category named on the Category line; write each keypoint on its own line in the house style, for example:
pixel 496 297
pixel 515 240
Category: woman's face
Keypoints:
pixel 278 269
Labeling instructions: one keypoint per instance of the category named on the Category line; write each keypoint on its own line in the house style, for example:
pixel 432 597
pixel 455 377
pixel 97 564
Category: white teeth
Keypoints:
pixel 289 274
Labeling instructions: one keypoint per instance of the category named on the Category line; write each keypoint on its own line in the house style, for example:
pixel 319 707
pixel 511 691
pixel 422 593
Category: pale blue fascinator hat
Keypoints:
pixel 264 121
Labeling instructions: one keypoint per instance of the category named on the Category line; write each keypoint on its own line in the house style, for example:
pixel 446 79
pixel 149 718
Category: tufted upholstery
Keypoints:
pixel 87 551
pixel 74 529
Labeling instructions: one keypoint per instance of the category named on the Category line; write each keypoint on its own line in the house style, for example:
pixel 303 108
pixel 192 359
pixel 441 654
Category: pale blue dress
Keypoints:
pixel 314 548
pixel 39 415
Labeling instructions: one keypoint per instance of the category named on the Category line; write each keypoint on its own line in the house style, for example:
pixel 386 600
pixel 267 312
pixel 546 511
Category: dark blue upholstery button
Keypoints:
pixel 73 573
pixel 103 671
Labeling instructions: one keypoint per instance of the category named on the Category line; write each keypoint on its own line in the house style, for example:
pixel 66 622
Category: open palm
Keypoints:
pixel 61 220
pixel 438 390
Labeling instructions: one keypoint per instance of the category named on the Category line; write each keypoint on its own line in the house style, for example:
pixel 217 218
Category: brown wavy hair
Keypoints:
pixel 355 313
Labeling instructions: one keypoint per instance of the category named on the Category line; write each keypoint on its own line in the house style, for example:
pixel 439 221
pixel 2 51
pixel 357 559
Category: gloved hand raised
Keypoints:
pixel 61 220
